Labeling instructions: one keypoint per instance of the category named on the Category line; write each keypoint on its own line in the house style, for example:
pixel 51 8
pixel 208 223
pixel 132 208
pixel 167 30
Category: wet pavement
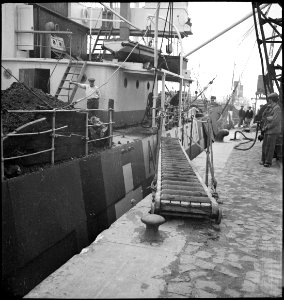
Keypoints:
pixel 241 257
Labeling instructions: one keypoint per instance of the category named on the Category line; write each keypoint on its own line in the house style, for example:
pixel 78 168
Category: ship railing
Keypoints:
pixel 53 132
pixel 43 43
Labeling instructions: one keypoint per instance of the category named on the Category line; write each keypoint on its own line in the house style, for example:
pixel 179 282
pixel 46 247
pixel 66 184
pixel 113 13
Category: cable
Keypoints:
pixel 210 82
pixel 54 69
pixel 254 140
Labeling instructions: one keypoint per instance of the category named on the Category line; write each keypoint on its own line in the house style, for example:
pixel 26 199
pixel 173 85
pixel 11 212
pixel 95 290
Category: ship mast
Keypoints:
pixel 155 95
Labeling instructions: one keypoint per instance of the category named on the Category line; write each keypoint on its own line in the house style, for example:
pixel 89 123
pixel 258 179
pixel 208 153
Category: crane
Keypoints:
pixel 272 72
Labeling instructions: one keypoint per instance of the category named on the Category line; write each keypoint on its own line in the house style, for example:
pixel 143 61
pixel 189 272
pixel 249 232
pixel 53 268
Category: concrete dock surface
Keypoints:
pixel 241 257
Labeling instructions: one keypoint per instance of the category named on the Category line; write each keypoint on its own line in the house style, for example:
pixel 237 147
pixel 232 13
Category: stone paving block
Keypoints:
pixel 248 258
pixel 181 288
pixel 233 257
pixel 253 276
pixel 204 284
pixel 203 254
pixel 186 267
pixel 232 293
pixel 235 264
pixel 187 259
pixel 204 264
pixel 226 271
pixel 249 286
pixel 195 274
pixel 204 294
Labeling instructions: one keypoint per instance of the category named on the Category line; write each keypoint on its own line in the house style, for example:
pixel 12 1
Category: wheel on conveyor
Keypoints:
pixel 219 216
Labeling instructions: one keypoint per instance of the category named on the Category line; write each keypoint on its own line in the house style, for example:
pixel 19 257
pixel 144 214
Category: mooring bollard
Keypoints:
pixel 152 222
pixel 221 134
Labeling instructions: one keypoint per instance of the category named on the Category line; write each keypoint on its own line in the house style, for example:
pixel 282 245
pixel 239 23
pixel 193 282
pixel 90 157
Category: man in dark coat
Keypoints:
pixel 271 128
pixel 242 114
pixel 248 116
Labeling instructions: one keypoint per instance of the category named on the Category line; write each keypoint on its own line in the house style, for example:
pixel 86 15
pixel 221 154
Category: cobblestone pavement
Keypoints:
pixel 241 257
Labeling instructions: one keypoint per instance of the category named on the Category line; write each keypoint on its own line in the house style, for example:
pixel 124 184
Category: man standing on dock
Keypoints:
pixel 92 93
pixel 271 128
pixel 248 116
pixel 242 114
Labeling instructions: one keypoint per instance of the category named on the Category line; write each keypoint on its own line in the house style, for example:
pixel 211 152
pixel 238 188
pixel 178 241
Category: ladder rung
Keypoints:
pixel 56 95
pixel 73 73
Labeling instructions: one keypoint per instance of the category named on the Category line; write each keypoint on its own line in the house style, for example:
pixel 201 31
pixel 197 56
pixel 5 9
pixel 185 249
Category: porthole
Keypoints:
pixel 137 84
pixel 125 82
pixel 148 85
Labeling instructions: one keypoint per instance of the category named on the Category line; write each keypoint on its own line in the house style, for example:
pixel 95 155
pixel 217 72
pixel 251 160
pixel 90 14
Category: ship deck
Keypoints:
pixel 241 257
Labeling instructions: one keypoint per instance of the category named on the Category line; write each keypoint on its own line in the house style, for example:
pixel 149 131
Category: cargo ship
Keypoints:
pixel 52 213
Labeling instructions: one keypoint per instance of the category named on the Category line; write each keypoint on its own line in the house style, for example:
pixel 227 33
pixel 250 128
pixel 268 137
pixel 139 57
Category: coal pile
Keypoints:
pixel 18 97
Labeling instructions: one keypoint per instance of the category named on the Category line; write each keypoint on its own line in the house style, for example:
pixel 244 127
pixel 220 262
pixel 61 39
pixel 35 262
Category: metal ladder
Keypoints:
pixel 180 190
pixel 100 39
pixel 76 68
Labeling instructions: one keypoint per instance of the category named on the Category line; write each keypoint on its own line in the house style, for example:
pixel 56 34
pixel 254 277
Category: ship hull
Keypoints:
pixel 68 205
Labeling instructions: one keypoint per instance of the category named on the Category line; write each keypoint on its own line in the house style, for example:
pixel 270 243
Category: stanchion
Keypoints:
pixel 110 118
pixel 53 137
pixel 87 134
pixel 207 154
pixel 191 127
pixel 2 155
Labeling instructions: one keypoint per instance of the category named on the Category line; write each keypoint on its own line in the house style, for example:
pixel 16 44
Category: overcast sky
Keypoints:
pixel 236 47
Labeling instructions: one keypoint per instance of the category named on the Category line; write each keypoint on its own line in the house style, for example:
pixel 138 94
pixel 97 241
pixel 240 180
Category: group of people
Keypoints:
pixel 269 119
pixel 245 117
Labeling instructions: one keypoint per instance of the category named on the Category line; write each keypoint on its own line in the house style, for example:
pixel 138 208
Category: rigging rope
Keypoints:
pixel 210 82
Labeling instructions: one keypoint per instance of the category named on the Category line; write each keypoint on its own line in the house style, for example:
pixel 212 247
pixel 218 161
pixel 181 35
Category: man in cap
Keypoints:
pixel 92 93
pixel 248 116
pixel 271 118
pixel 242 114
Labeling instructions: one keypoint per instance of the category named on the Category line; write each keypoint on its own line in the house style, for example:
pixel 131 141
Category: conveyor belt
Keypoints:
pixel 180 189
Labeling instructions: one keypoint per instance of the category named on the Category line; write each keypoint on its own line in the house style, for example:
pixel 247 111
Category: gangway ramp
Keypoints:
pixel 180 190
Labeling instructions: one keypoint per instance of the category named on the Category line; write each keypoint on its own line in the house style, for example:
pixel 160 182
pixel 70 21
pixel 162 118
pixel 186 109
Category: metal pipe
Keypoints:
pixel 163 97
pixel 155 66
pixel 110 107
pixel 191 127
pixel 2 155
pixel 26 155
pixel 34 133
pixel 53 137
pixel 224 31
pixel 41 31
pixel 87 135
pixel 90 44
pixel 96 19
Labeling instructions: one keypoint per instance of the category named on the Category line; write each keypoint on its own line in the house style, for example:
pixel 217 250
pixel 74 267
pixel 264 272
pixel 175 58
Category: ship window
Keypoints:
pixel 137 84
pixel 125 82
pixel 148 85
